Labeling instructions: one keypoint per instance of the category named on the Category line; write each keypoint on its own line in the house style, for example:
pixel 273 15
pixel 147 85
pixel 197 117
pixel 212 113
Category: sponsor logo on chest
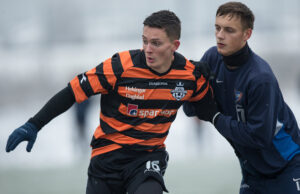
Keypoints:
pixel 138 93
pixel 134 111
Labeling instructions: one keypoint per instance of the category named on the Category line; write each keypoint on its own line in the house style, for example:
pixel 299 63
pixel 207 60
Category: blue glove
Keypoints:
pixel 26 132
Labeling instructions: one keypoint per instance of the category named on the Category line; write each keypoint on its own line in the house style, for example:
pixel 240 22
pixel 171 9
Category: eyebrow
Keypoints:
pixel 217 25
pixel 154 39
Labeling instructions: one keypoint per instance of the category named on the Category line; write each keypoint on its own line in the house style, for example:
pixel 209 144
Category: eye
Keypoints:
pixel 230 30
pixel 145 42
pixel 156 43
pixel 218 28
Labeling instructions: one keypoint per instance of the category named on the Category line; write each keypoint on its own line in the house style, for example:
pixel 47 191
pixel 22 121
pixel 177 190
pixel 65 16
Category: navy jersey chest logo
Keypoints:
pixel 238 95
pixel 179 91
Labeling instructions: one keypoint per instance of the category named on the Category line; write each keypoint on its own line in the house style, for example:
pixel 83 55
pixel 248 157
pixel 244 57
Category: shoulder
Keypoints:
pixel 212 56
pixel 127 56
pixel 187 67
pixel 212 53
pixel 260 71
pixel 123 60
pixel 179 60
pixel 182 63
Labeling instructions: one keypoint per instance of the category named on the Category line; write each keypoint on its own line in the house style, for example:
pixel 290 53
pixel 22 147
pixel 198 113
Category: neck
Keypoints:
pixel 164 68
pixel 238 58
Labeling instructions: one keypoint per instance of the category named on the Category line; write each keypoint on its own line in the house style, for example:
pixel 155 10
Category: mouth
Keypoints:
pixel 220 45
pixel 150 60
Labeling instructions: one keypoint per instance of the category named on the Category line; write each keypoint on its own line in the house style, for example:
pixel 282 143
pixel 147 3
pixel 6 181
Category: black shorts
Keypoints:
pixel 123 170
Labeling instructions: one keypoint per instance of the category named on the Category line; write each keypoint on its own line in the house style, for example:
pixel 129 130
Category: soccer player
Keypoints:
pixel 250 113
pixel 141 91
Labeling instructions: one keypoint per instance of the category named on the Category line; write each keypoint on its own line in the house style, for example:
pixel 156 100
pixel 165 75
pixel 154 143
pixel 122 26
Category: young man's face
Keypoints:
pixel 230 34
pixel 158 48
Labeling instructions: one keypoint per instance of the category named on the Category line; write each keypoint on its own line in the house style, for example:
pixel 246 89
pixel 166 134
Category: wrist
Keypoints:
pixel 36 124
pixel 215 118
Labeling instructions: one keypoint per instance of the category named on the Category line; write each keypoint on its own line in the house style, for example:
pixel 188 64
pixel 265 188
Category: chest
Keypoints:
pixel 154 90
pixel 231 91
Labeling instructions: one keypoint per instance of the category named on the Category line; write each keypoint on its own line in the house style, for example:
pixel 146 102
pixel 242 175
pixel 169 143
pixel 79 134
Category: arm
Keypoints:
pixel 205 109
pixel 100 79
pixel 58 104
pixel 258 130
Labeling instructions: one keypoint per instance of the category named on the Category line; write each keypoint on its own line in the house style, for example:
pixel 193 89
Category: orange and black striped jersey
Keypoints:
pixel 138 104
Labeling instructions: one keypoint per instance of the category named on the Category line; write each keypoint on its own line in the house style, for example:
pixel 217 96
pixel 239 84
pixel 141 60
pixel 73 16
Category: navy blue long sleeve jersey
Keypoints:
pixel 255 119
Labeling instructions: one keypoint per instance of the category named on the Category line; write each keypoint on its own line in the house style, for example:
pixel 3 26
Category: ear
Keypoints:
pixel 247 34
pixel 176 44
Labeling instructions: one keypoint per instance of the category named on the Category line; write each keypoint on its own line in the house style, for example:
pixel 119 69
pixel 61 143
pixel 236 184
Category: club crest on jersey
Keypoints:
pixel 132 109
pixel 238 95
pixel 179 92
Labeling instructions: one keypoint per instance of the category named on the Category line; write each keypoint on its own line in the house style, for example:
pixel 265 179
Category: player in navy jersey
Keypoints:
pixel 249 109
pixel 141 91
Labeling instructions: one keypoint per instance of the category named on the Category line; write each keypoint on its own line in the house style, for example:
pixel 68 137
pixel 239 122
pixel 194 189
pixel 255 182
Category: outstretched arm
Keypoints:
pixel 58 104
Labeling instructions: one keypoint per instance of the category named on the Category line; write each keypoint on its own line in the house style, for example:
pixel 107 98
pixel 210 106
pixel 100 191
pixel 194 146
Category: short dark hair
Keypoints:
pixel 166 20
pixel 240 10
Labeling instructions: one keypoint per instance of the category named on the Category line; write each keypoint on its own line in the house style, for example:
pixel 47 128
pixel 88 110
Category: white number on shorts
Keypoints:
pixel 152 166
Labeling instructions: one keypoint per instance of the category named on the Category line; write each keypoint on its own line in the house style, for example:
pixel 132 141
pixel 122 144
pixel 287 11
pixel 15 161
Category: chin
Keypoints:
pixel 223 52
pixel 220 51
pixel 152 65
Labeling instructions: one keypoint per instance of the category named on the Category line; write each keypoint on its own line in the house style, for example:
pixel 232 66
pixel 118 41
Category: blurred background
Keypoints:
pixel 44 44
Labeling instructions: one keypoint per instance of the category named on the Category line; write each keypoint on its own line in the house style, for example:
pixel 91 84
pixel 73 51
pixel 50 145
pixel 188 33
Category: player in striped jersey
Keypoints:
pixel 141 91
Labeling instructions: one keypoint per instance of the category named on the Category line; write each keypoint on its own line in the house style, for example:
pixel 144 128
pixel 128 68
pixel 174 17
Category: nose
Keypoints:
pixel 148 48
pixel 220 34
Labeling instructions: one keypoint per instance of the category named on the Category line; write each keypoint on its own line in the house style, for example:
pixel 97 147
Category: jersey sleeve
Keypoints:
pixel 100 79
pixel 58 104
pixel 259 129
pixel 202 84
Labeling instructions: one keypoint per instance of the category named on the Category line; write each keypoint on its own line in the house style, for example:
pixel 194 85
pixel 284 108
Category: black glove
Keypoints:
pixel 26 132
pixel 203 69
pixel 189 109
pixel 205 109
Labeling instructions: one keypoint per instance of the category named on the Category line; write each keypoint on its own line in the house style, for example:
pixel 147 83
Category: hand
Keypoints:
pixel 26 132
pixel 204 70
pixel 206 109
pixel 189 109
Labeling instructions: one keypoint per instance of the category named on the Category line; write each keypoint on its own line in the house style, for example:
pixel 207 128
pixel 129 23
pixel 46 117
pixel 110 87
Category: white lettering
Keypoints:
pixel 240 113
pixel 297 183
pixel 138 90
pixel 135 96
pixel 158 83
pixel 154 113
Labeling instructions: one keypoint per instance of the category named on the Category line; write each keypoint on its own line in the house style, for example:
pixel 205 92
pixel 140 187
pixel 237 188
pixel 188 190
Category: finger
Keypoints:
pixel 13 143
pixel 30 145
pixel 8 145
pixel 9 141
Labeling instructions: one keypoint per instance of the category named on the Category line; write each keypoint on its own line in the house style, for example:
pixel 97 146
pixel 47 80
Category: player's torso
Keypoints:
pixel 140 93
pixel 230 89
